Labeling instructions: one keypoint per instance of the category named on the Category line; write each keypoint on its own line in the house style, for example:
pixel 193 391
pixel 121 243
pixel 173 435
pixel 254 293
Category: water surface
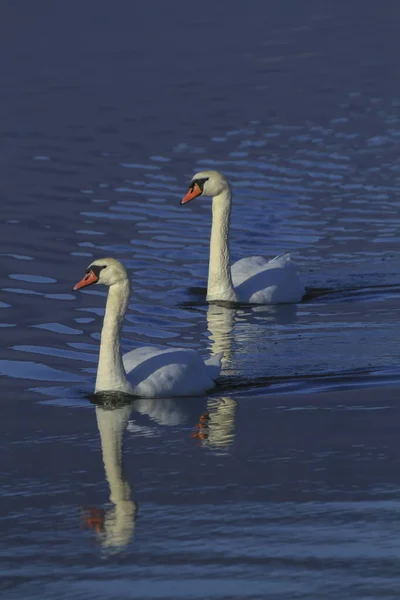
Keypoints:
pixel 284 481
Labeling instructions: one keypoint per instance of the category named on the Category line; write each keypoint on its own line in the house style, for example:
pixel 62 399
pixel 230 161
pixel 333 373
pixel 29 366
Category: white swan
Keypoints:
pixel 148 372
pixel 253 280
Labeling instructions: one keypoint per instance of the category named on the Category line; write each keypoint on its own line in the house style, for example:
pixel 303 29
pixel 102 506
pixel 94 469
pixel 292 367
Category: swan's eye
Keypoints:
pixel 199 182
pixel 96 269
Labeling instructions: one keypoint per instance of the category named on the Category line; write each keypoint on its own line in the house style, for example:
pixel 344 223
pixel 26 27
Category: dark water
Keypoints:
pixel 285 481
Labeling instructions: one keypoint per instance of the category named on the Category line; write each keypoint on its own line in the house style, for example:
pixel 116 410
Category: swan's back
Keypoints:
pixel 161 373
pixel 261 281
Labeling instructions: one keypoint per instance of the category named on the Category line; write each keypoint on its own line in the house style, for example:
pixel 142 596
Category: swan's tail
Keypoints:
pixel 213 365
pixel 284 258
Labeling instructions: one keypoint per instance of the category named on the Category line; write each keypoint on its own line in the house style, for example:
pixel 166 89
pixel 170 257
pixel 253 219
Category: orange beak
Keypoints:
pixel 88 279
pixel 193 192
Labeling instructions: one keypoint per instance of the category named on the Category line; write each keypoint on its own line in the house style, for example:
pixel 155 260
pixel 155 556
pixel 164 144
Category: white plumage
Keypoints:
pixel 149 372
pixel 253 280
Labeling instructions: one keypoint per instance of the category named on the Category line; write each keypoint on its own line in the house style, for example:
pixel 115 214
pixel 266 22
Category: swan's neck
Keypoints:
pixel 110 372
pixel 220 285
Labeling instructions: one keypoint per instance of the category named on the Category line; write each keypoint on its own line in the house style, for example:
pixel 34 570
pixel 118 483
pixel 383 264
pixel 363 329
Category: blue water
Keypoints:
pixel 284 481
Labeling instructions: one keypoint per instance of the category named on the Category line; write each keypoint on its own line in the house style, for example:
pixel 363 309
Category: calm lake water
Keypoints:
pixel 285 481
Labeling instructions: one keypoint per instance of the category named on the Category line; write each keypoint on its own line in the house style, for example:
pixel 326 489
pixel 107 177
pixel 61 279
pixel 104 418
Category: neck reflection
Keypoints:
pixel 114 526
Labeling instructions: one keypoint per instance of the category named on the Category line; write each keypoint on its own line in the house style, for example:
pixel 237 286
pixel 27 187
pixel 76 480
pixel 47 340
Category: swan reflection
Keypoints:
pixel 114 526
pixel 216 428
pixel 233 328
pixel 163 411
pixel 215 418
pixel 220 321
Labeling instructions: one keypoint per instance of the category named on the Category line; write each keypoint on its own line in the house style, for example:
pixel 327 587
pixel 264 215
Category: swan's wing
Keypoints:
pixel 262 281
pixel 159 373
pixel 135 357
pixel 246 267
pixel 281 259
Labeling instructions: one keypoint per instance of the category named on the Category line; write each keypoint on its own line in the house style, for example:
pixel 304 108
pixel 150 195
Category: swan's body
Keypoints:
pixel 148 372
pixel 253 280
pixel 160 373
pixel 258 280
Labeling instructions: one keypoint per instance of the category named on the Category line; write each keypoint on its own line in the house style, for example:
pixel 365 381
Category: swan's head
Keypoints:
pixel 107 271
pixel 206 183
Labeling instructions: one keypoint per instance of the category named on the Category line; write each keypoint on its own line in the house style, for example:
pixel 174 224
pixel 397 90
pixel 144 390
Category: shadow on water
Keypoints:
pixel 345 380
pixel 364 293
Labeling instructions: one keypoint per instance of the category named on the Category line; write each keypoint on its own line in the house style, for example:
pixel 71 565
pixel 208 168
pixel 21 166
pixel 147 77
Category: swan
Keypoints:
pixel 148 372
pixel 253 280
